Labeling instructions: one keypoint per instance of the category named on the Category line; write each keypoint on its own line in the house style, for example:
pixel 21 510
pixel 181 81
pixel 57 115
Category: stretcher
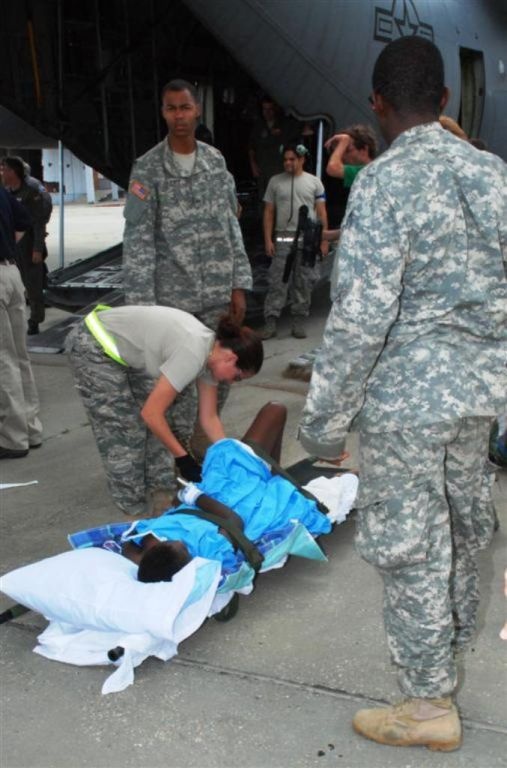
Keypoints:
pixel 99 613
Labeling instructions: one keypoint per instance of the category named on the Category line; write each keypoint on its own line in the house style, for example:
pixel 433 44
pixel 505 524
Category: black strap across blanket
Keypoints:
pixel 224 517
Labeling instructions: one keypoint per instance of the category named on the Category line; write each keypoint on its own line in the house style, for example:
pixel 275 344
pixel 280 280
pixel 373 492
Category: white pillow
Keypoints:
pixel 96 589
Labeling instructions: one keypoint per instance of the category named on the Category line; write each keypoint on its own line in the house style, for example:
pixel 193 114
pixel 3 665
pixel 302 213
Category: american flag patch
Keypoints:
pixel 139 190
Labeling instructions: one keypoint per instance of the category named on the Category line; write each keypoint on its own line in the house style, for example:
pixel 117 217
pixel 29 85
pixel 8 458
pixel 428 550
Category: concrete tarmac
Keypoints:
pixel 277 686
pixel 88 229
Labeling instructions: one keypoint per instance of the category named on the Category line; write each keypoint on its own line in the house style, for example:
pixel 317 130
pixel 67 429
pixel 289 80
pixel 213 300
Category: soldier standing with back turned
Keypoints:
pixel 414 359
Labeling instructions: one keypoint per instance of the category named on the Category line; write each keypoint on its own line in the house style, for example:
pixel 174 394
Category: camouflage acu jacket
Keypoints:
pixel 417 332
pixel 182 242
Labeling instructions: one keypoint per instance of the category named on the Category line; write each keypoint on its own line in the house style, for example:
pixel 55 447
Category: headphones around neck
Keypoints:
pixel 299 149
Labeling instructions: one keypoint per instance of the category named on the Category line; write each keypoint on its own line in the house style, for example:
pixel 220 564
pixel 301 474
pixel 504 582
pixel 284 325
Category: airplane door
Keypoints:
pixel 205 94
pixel 472 90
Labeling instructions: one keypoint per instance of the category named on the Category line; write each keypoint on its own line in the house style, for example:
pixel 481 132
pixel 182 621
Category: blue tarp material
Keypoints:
pixel 238 478
pixel 277 517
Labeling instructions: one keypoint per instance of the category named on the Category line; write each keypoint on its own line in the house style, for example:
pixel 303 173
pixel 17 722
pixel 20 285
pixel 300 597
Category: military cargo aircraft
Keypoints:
pixel 90 73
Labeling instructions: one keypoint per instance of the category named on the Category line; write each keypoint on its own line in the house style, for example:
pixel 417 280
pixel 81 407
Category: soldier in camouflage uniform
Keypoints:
pixel 414 358
pixel 31 250
pixel 182 244
pixel 173 349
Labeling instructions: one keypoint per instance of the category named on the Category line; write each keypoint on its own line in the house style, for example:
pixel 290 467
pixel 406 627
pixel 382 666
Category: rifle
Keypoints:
pixel 312 236
pixel 291 256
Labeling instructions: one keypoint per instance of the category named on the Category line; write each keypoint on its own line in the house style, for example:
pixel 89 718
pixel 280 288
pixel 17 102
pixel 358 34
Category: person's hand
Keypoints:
pixel 270 249
pixel 256 171
pixel 237 308
pixel 344 455
pixel 188 468
pixel 37 257
pixel 324 248
pixel 331 235
pixel 338 138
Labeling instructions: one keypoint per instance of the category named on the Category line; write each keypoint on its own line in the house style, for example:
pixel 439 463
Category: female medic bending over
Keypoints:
pixel 111 347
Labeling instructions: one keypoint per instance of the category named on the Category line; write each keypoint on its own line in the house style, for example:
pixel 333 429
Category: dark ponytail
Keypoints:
pixel 244 342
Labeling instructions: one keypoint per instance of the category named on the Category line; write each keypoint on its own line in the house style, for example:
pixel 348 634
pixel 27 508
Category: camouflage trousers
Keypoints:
pixel 423 514
pixel 298 289
pixel 113 395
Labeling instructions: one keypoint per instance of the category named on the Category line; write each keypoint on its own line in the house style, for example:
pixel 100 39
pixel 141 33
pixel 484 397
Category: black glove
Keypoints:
pixel 188 467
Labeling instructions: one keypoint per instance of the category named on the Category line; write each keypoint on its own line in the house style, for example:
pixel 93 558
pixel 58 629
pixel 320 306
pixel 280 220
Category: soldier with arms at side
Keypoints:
pixel 182 243
pixel 414 358
pixel 287 193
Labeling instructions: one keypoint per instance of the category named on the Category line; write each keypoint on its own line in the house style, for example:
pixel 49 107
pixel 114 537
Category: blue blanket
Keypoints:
pixel 294 539
pixel 233 475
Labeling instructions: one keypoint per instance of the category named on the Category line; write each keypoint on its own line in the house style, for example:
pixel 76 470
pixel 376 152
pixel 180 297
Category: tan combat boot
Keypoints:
pixel 433 723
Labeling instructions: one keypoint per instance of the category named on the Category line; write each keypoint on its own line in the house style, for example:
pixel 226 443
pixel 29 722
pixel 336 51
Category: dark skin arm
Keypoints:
pixel 238 305
pixel 268 226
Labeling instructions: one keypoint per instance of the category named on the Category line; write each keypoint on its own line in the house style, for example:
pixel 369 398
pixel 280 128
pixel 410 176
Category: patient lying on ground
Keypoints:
pixel 157 560
pixel 234 476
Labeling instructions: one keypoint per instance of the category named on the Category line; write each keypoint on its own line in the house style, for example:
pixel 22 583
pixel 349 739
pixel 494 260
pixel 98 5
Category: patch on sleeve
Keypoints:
pixel 139 190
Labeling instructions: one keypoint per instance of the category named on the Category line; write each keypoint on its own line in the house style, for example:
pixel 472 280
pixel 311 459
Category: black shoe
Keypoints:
pixel 33 328
pixel 9 453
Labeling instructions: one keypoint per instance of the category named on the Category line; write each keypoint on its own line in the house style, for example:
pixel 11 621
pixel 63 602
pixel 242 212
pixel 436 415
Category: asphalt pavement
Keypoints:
pixel 277 686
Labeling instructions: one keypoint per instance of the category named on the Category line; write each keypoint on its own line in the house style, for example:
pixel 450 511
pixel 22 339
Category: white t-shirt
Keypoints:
pixel 288 193
pixel 161 340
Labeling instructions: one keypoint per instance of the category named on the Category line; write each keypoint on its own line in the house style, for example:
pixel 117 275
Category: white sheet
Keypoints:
pixel 338 493
pixel 67 643
pixel 95 603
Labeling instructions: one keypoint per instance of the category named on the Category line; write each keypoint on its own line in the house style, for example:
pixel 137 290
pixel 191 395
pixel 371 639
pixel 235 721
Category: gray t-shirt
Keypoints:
pixel 161 340
pixel 185 162
pixel 288 193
